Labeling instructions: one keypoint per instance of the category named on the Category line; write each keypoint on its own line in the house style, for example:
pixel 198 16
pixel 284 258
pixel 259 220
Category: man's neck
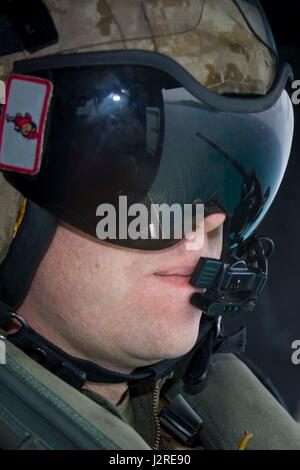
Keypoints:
pixel 112 392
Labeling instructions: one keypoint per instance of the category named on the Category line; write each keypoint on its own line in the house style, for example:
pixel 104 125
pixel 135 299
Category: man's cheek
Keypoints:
pixel 215 242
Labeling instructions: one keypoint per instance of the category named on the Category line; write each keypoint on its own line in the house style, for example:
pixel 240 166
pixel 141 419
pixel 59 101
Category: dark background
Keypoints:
pixel 275 323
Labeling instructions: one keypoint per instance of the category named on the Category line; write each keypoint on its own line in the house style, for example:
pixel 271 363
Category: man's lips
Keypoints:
pixel 178 271
pixel 178 277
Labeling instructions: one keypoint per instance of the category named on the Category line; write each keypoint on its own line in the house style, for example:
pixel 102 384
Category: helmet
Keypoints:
pixel 226 46
pixel 163 101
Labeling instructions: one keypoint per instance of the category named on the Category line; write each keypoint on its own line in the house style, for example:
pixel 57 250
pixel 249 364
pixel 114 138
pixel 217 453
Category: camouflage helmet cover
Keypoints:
pixel 209 38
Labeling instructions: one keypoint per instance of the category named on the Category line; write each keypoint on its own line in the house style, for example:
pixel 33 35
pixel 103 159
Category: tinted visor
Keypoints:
pixel 135 131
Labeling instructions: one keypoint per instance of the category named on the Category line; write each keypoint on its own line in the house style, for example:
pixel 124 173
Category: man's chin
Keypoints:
pixel 177 348
pixel 181 339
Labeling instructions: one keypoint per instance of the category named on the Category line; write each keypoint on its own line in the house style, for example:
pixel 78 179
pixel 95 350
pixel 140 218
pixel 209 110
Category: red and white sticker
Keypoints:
pixel 23 122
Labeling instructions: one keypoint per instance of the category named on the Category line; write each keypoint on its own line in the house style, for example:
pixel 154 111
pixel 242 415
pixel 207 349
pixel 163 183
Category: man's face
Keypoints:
pixel 123 308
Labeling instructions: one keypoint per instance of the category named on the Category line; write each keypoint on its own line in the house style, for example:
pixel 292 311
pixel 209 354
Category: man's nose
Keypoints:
pixel 197 240
pixel 213 221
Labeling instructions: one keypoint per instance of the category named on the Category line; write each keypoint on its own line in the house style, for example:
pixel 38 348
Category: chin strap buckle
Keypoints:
pixel 231 286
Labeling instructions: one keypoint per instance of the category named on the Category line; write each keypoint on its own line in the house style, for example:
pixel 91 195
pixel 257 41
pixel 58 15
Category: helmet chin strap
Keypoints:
pixel 76 372
pixel 34 237
pixel 234 282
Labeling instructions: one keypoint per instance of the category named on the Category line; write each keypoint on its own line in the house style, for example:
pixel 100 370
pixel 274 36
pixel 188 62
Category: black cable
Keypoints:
pixel 271 245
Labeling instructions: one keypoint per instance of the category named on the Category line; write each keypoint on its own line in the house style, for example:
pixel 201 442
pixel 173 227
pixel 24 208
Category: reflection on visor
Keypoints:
pixel 238 160
pixel 134 131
